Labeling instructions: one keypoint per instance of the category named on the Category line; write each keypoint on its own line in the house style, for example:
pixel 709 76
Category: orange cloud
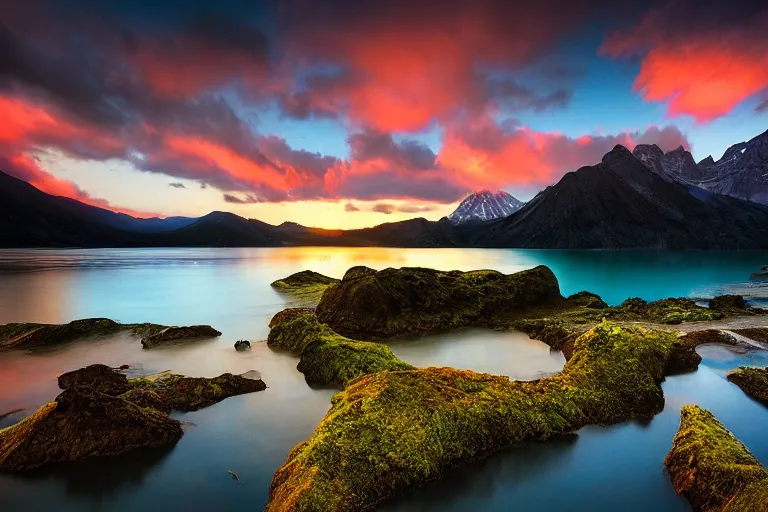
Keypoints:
pixel 702 69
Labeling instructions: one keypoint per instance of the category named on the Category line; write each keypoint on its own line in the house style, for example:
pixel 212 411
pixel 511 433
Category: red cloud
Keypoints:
pixel 700 69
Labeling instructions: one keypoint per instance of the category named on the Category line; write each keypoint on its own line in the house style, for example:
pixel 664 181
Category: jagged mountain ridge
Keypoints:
pixel 483 206
pixel 741 172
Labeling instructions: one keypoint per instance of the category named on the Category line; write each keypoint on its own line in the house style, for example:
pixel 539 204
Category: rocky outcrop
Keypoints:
pixel 305 285
pixel 395 429
pixel 588 300
pixel 34 336
pixel 367 304
pixel 164 391
pixel 242 345
pixel 97 376
pixel 753 381
pixel 171 334
pixel 328 359
pixel 181 393
pixel 728 303
pixel 712 468
pixel 83 422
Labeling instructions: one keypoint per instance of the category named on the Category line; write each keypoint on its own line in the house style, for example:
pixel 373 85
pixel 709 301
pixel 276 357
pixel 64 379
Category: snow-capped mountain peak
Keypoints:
pixel 485 205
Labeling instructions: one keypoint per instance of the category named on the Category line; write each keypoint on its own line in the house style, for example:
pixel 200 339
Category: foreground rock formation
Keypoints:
pixel 394 429
pixel 83 422
pixel 101 412
pixel 306 286
pixel 712 468
pixel 753 381
pixel 328 358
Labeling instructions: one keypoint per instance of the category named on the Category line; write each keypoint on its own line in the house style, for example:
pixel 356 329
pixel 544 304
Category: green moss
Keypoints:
pixel 393 429
pixel 371 305
pixel 305 286
pixel 328 358
pixel 712 468
pixel 753 381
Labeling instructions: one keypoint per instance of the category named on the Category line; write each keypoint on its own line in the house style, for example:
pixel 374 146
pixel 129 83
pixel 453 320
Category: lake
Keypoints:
pixel 599 468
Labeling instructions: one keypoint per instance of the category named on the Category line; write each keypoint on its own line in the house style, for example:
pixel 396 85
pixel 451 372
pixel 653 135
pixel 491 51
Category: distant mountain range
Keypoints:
pixel 484 206
pixel 741 172
pixel 641 199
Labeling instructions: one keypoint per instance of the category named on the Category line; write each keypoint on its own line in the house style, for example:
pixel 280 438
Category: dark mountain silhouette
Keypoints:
pixel 622 202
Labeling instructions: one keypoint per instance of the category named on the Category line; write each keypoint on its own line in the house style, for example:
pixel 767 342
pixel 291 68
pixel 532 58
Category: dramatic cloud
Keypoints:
pixel 703 67
pixel 385 208
pixel 247 199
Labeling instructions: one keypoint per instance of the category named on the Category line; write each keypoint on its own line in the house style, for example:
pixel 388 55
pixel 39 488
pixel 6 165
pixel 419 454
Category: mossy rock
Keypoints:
pixel 307 286
pixel 753 381
pixel 83 423
pixel 173 334
pixel 327 358
pixel 728 303
pixel 588 300
pixel 98 376
pixel 712 468
pixel 369 305
pixel 191 393
pixel 33 336
pixel 395 429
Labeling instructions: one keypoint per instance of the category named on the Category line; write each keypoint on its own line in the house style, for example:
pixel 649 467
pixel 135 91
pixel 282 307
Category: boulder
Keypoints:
pixel 368 305
pixel 83 422
pixel 588 300
pixel 242 345
pixel 306 285
pixel 171 334
pixel 98 376
pixel 727 303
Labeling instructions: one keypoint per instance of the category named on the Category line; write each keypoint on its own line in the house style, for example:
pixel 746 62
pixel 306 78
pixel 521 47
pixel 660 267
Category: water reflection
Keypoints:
pixel 603 468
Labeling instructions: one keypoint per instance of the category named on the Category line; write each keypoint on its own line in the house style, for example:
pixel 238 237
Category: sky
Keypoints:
pixel 346 114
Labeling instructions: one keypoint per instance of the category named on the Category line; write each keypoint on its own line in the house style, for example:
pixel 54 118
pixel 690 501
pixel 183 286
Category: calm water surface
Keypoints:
pixel 613 468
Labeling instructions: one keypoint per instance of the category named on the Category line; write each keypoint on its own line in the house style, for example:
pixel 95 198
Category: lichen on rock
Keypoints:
pixel 394 429
pixel 753 381
pixel 712 468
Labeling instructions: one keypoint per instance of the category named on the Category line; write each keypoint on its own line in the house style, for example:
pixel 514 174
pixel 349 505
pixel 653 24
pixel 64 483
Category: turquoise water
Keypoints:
pixel 600 468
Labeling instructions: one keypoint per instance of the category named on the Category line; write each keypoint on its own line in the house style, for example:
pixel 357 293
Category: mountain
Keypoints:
pixel 621 203
pixel 741 172
pixel 483 206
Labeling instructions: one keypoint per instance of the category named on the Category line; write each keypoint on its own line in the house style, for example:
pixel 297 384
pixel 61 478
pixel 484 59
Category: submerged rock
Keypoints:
pixel 98 376
pixel 712 468
pixel 328 358
pixel 170 334
pixel 83 422
pixel 367 304
pixel 395 429
pixel 306 285
pixel 753 381
pixel 242 345
pixel 32 336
